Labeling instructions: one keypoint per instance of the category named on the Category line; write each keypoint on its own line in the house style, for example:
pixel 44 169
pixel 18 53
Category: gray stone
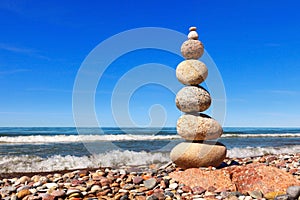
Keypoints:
pixel 128 186
pixel 256 194
pixel 150 183
pixel 152 197
pixel 193 99
pixel 137 180
pixel 24 187
pixel 198 127
pixel 293 191
pixel 282 197
pixel 124 197
pixel 13 197
pixel 169 193
pixel 8 189
pixel 191 72
pixel 190 155
pixel 192 49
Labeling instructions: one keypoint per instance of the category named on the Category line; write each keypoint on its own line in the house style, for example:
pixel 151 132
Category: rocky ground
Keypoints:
pixel 265 177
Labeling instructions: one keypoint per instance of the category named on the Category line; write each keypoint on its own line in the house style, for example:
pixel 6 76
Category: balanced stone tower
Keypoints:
pixel 199 130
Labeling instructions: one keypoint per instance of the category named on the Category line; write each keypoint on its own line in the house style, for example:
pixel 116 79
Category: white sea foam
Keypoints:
pixel 114 158
pixel 262 135
pixel 258 151
pixel 111 159
pixel 82 138
pixel 31 139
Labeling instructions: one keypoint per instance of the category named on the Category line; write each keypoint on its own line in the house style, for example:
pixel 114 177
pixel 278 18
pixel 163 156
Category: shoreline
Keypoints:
pixel 226 163
pixel 134 182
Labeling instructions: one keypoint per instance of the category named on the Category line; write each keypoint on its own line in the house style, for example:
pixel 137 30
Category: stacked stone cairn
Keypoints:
pixel 200 131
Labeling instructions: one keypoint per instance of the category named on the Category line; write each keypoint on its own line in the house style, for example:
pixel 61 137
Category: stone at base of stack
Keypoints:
pixel 199 130
pixel 195 154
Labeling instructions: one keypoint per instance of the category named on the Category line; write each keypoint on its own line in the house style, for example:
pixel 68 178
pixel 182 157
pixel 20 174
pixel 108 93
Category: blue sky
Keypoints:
pixel 255 44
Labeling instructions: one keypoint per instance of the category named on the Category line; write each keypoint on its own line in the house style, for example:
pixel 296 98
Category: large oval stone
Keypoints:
pixel 191 154
pixel 193 99
pixel 192 49
pixel 191 72
pixel 198 127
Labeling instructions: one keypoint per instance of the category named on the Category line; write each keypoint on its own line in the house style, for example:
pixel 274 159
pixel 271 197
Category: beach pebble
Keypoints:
pixel 192 49
pixel 193 99
pixel 51 185
pixel 293 191
pixel 137 180
pixel 169 193
pixel 122 172
pixel 282 197
pixel 150 183
pixel 189 155
pixel 72 190
pixel 8 190
pixel 191 72
pixel 193 35
pixel 255 194
pixel 198 127
pixel 58 193
pixel 23 180
pixel 152 197
pixel 95 188
pixel 128 186
pixel 21 194
pixel 173 186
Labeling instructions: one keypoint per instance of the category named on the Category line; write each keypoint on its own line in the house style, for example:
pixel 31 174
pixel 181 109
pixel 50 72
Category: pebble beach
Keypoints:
pixel 154 182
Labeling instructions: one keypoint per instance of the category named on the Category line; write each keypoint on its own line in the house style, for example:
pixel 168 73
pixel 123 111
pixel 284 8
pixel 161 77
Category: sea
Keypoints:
pixel 35 149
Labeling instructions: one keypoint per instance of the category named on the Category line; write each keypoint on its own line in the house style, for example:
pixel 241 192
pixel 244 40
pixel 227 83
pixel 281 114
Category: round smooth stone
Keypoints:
pixel 191 72
pixel 193 99
pixel 194 155
pixel 193 28
pixel 192 49
pixel 193 35
pixel 198 127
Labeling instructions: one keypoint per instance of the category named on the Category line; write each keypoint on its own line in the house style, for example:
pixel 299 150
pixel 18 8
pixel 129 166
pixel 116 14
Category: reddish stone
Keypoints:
pixel 142 189
pixel 97 178
pixel 211 189
pixel 220 179
pixel 260 177
pixel 198 190
pixel 186 188
pixel 271 158
pixel 83 173
pixel 76 182
pixel 105 182
pixel 293 171
pixel 146 177
pixel 150 192
pixel 163 184
pixel 159 195
pixel 103 193
pixel 140 197
pixel 46 196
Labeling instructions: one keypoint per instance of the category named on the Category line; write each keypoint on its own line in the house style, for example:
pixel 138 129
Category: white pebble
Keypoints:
pixel 173 186
pixel 193 35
